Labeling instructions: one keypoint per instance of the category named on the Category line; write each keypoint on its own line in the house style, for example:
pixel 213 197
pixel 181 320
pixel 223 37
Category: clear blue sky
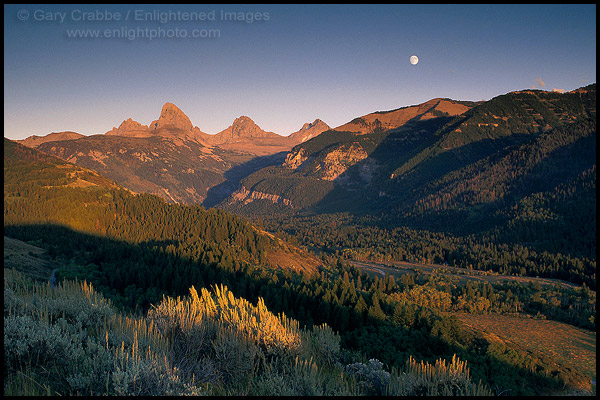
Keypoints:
pixel 333 62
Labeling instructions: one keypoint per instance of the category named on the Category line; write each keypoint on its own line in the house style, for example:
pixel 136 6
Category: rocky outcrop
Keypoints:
pixel 330 166
pixel 246 196
pixel 129 127
pixel 295 159
pixel 338 161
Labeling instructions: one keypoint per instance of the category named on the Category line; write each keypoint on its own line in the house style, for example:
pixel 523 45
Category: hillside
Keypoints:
pixel 28 259
pixel 338 158
pixel 208 343
pixel 42 189
pixel 518 170
pixel 49 171
pixel 35 141
pixel 385 120
pixel 346 156
pixel 418 148
pixel 179 170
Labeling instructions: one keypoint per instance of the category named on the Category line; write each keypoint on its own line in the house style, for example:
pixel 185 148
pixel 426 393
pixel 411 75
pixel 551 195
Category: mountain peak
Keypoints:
pixel 129 124
pixel 171 117
pixel 129 127
pixel 309 130
pixel 242 127
pixel 311 125
pixel 243 120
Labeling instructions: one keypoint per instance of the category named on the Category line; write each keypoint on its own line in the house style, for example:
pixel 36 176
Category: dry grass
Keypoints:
pixel 290 257
pixel 293 260
pixel 567 345
pixel 81 183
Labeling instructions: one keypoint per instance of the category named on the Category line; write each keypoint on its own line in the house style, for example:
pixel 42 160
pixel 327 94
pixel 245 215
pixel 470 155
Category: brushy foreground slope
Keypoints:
pixel 69 340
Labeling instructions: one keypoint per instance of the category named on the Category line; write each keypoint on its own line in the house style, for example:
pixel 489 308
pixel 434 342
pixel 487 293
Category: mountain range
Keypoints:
pixel 442 155
pixel 172 158
pixel 433 162
pixel 177 161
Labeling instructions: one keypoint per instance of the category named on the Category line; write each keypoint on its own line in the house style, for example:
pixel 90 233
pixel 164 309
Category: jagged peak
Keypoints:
pixel 312 124
pixel 171 116
pixel 243 120
pixel 309 130
pixel 170 107
pixel 129 123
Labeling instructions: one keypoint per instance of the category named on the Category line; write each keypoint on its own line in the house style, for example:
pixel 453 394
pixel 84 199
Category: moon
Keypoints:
pixel 414 60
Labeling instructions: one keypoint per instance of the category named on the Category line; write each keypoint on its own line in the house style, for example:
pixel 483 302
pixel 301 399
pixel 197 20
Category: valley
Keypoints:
pixel 435 231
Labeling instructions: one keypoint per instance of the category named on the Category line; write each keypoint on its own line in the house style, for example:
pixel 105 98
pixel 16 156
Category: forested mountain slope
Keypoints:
pixel 39 188
pixel 404 165
pixel 516 172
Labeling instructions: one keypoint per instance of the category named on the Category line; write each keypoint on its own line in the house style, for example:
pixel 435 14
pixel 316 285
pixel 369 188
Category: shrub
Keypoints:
pixel 69 340
pixel 322 343
pixel 441 379
pixel 236 357
pixel 66 341
pixel 275 334
pixel 300 378
pixel 371 378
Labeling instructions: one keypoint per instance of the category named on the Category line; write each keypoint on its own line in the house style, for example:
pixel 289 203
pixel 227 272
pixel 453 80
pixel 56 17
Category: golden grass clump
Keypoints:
pixel 256 323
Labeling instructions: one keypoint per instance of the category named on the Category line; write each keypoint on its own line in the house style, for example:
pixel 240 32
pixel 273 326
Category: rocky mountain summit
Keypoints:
pixel 130 127
pixel 243 128
pixel 172 118
pixel 172 121
pixel 309 131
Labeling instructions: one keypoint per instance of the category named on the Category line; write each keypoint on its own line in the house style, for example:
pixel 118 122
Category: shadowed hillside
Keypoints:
pixel 39 188
pixel 517 171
